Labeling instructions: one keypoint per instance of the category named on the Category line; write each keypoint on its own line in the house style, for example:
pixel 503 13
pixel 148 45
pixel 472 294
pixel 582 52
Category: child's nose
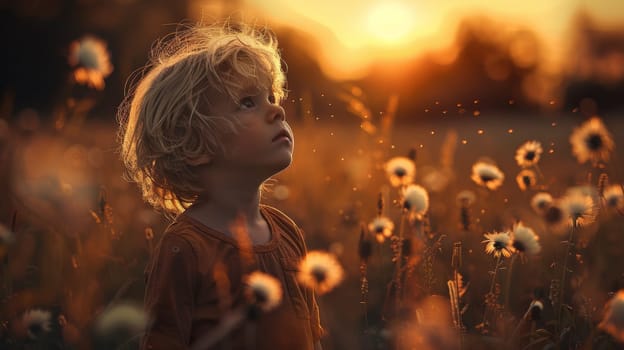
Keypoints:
pixel 277 113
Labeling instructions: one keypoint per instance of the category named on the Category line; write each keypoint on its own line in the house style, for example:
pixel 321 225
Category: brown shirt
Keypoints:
pixel 195 278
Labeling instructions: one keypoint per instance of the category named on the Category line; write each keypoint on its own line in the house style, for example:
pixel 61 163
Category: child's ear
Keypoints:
pixel 201 160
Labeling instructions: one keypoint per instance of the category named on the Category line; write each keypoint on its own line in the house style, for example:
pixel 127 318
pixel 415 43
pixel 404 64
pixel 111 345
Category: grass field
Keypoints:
pixel 82 233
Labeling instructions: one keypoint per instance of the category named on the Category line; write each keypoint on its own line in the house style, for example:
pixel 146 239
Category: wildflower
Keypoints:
pixel 525 240
pixel 487 175
pixel 36 322
pixel 92 61
pixel 497 244
pixel 320 271
pixel 613 320
pixel 556 217
pixel 263 290
pixel 528 154
pixel 121 319
pixel 526 179
pixel 592 141
pixel 541 202
pixel 579 206
pixel 382 227
pixel 614 197
pixel 400 171
pixel 416 200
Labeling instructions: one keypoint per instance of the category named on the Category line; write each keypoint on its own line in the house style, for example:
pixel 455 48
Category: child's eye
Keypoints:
pixel 272 99
pixel 247 102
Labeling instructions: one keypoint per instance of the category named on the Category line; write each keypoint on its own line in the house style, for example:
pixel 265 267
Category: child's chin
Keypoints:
pixel 282 164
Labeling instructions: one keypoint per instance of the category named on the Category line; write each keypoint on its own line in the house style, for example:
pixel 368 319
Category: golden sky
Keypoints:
pixel 353 33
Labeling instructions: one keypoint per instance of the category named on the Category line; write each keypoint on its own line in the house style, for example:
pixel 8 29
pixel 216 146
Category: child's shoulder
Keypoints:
pixel 279 216
pixel 183 232
pixel 286 225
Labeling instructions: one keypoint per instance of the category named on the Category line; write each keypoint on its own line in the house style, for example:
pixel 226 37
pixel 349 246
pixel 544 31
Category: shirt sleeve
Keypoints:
pixel 170 295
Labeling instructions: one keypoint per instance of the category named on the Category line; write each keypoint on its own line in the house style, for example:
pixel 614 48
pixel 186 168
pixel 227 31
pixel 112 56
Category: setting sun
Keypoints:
pixel 390 22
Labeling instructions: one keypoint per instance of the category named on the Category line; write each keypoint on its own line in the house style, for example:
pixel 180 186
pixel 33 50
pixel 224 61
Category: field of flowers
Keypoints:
pixel 472 230
pixel 461 233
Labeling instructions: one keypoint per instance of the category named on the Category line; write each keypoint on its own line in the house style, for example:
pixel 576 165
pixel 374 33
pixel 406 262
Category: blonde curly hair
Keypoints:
pixel 166 119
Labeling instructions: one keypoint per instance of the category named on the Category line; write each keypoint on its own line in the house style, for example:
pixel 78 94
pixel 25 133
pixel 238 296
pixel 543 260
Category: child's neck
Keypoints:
pixel 228 206
pixel 233 204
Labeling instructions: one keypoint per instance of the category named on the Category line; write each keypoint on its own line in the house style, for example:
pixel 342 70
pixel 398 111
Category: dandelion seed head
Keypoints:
pixel 525 240
pixel 613 319
pixel 579 206
pixel 37 322
pixel 400 171
pixel 529 154
pixel 526 179
pixel 541 201
pixel 614 197
pixel 416 200
pixel 498 244
pixel 126 318
pixel 91 60
pixel 381 226
pixel 487 175
pixel 320 271
pixel 263 290
pixel 556 217
pixel 592 142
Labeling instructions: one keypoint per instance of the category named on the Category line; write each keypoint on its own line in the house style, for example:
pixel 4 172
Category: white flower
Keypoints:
pixel 592 141
pixel 320 271
pixel 613 320
pixel 127 318
pixel 541 202
pixel 526 179
pixel 382 227
pixel 401 171
pixel 614 197
pixel 416 200
pixel 487 175
pixel 497 244
pixel 579 206
pixel 525 240
pixel 263 290
pixel 528 154
pixel 556 217
pixel 36 322
pixel 91 59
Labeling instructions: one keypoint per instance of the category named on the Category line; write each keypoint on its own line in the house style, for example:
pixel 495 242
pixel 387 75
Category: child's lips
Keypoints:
pixel 283 135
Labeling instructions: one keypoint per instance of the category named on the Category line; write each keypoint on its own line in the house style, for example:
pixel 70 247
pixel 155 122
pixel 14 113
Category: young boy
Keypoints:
pixel 200 134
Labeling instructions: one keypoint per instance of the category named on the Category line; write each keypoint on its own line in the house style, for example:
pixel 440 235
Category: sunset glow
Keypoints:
pixel 390 22
pixel 357 33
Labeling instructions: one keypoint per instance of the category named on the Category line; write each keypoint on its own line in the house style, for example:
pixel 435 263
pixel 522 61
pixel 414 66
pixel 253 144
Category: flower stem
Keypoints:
pixel 488 307
pixel 508 280
pixel 564 271
pixel 399 259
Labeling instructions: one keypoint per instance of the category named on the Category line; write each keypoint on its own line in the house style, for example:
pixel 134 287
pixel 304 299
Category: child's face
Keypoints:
pixel 264 143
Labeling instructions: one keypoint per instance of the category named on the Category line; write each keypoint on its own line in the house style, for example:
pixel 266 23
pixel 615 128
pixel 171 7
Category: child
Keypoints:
pixel 200 134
